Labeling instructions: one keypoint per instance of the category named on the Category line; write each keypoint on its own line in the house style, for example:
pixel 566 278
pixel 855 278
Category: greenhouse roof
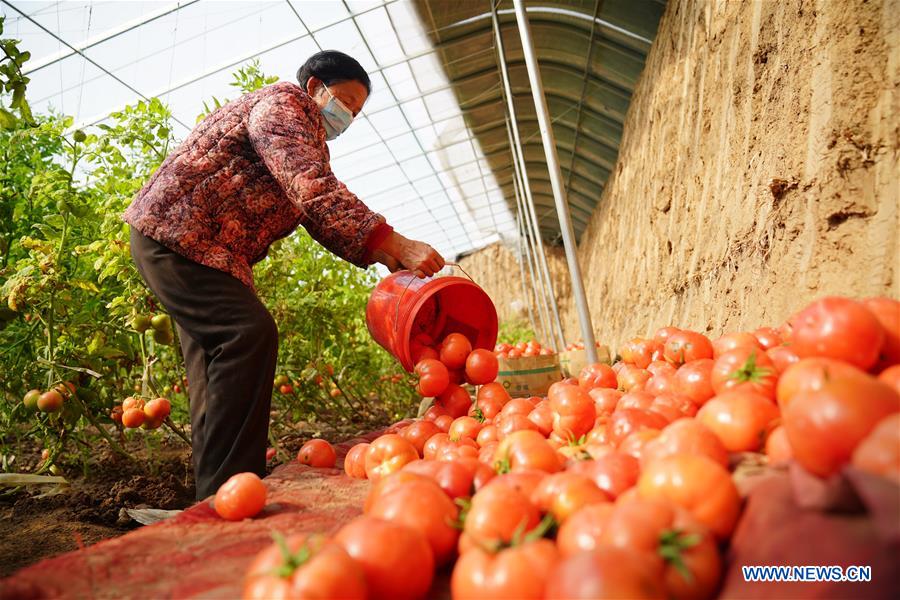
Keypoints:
pixel 429 149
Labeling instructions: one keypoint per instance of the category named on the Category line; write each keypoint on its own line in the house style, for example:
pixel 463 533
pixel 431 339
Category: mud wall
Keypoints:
pixel 759 169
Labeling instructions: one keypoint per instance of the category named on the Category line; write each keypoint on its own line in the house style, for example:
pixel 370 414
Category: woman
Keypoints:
pixel 247 175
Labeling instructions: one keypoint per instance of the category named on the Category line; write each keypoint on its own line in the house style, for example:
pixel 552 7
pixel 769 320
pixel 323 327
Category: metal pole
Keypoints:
pixel 539 299
pixel 519 162
pixel 556 180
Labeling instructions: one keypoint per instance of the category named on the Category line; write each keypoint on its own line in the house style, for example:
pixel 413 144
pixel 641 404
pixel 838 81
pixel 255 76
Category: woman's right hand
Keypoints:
pixel 398 252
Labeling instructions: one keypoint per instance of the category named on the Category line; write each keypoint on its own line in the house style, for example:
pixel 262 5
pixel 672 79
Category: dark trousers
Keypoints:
pixel 230 346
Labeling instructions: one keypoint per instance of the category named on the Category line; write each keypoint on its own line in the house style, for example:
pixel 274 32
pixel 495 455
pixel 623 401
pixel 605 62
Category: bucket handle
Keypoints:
pixel 397 308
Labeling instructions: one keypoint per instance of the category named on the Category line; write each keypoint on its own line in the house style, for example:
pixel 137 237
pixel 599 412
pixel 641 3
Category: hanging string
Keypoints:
pixel 84 62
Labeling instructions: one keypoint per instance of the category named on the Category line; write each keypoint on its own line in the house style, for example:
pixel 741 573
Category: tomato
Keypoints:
pixel 444 422
pixel 493 390
pixel 696 483
pixel 525 449
pixel 454 478
pixel 433 377
pixel 481 472
pixel 768 337
pixel 605 400
pixel 573 411
pixel 464 427
pixel 132 418
pixel 425 508
pixel 434 444
pixel 542 417
pixel 487 452
pixel 664 333
pixel 674 406
pixel 660 383
pixel 613 472
pixel 639 352
pixel 454 400
pixel 399 479
pixel 434 411
pixel 694 380
pixel 487 435
pixel 286 389
pixel 30 400
pixel 517 406
pixel 838 328
pixel 809 375
pixel 635 399
pixel 464 447
pixel 315 568
pixel 115 414
pixel 782 357
pixel 745 369
pixel 562 494
pixel 486 408
pixel 825 426
pixel 455 349
pixel 597 375
pixel 158 409
pixel 396 560
pixel 740 419
pixel 355 461
pixel 52 401
pixel 625 421
pixel 634 444
pixel 506 425
pixel 630 377
pixel 887 311
pixel 686 436
pixel 583 528
pixel 481 367
pixel 733 341
pixel 879 452
pixel 517 572
pixel 419 432
pixel 891 376
pixel 685 346
pixel 387 454
pixel 497 513
pixel 241 497
pixel 419 353
pixel 778 448
pixel 607 572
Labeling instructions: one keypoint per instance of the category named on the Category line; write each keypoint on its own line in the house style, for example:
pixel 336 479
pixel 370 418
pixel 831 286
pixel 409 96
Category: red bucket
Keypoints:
pixel 402 306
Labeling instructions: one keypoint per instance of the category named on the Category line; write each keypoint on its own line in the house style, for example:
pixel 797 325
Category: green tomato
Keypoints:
pixel 161 323
pixel 30 400
pixel 79 136
pixel 140 323
pixel 165 337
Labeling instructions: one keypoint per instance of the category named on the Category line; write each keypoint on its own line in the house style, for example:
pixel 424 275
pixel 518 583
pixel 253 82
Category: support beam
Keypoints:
pixel 556 180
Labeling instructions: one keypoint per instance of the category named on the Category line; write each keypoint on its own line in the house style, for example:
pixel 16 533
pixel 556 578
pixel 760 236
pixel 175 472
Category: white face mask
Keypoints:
pixel 336 117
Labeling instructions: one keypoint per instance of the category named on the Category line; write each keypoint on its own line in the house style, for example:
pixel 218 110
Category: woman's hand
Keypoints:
pixel 397 252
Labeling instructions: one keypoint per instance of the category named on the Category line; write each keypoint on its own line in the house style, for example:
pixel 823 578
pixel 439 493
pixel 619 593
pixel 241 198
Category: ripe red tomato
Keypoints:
pixel 487 435
pixel 355 461
pixel 605 400
pixel 685 346
pixel 434 444
pixel 573 411
pixel 315 568
pixel 597 375
pixel 740 419
pixel 674 406
pixel 419 353
pixel 486 408
pixel 561 494
pixel 625 421
pixel 607 572
pixel 387 454
pixel 525 450
pixel 698 484
pixel 613 472
pixel 419 432
pixel 132 418
pixel 52 401
pixel 639 352
pixel 663 333
pixel 887 311
pixel 516 572
pixel 482 366
pixel 542 417
pixel 241 497
pixel 630 377
pixel 507 425
pixel 891 376
pixel 778 448
pixel 317 453
pixel 517 406
pixel 733 341
pixel 686 436
pixel 694 380
pixel 455 349
pixel 661 383
pixel 497 513
pixel 444 422
pixel 782 357
pixel 635 399
pixel 768 337
pixel 634 444
pixel 434 411
pixel 583 528
pixel 825 426
pixel 879 452
pixel 454 400
pixel 838 328
pixel 158 409
pixel 433 377
pixel 493 390
pixel 424 507
pixel 810 374
pixel 464 427
pixel 745 369
pixel 396 560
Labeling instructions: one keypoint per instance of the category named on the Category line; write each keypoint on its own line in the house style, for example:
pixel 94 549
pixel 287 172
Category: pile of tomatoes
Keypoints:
pixel 522 349
pixel 618 483
pixel 579 346
pixel 50 401
pixel 135 412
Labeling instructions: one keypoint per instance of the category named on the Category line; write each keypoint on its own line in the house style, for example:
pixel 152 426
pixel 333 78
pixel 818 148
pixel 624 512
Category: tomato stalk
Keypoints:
pixel 672 544
pixel 749 372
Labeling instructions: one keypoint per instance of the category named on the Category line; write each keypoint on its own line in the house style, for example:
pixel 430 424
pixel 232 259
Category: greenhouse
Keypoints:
pixel 449 299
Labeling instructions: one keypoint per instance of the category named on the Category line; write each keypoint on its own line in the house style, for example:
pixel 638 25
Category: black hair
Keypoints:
pixel 333 67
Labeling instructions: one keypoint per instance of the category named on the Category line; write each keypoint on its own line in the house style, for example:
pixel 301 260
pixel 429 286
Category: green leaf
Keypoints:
pixel 7 119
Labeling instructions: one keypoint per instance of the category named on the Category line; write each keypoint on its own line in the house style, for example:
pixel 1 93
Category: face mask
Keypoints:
pixel 335 116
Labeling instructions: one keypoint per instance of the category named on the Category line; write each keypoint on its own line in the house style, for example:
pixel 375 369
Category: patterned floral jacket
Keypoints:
pixel 247 175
